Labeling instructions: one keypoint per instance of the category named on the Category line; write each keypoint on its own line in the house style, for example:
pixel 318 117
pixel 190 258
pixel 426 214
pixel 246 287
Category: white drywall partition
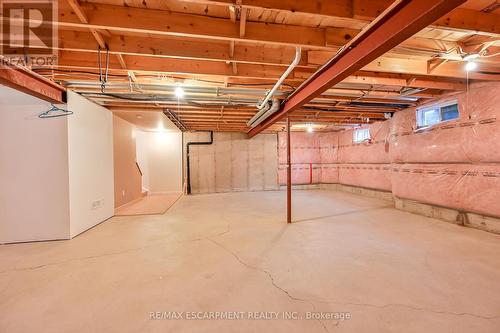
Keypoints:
pixel 233 162
pixel 159 155
pixel 91 173
pixel 34 202
pixel 142 153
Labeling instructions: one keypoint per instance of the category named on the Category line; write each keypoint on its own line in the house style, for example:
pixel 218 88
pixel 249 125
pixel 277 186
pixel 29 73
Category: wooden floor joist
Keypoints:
pixel 397 24
pixel 248 44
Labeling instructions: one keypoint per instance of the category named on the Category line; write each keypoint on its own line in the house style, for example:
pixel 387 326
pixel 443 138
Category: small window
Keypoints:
pixel 435 114
pixel 361 135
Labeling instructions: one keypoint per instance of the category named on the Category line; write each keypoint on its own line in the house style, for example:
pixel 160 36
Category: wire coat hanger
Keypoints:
pixel 55 112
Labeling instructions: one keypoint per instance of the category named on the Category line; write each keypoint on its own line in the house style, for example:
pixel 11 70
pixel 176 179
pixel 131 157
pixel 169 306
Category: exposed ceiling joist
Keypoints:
pixel 460 19
pixel 201 67
pixel 79 12
pixel 398 23
pixel 246 44
pixel 154 22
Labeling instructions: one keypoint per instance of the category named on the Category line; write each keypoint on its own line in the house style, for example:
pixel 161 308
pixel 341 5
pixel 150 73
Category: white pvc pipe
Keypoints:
pixel 270 94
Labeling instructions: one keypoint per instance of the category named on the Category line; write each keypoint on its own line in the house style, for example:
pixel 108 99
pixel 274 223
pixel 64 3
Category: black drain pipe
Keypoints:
pixel 188 158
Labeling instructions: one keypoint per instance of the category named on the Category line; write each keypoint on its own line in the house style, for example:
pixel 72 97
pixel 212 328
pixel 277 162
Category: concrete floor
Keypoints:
pixel 392 271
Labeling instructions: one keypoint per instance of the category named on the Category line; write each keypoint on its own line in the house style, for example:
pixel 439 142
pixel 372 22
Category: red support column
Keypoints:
pixel 310 173
pixel 288 174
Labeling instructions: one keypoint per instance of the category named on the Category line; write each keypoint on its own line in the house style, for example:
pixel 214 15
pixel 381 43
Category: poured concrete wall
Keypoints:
pixel 232 162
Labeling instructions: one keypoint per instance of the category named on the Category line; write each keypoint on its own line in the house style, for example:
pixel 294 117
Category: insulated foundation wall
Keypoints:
pixel 465 187
pixel 314 158
pixel 232 162
pixel 453 164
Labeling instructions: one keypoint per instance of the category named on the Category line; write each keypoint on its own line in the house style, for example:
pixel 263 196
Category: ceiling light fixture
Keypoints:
pixel 160 127
pixel 470 66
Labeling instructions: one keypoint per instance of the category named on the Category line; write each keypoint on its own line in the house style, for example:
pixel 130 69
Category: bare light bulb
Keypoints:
pixel 470 66
pixel 310 129
pixel 179 92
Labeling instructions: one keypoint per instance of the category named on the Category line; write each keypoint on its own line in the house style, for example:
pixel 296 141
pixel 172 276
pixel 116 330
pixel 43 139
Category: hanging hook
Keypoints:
pixel 107 68
pixel 99 63
pixel 103 74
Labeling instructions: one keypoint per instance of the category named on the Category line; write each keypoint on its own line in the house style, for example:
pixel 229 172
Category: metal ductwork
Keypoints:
pixel 190 91
pixel 261 111
pixel 275 106
pixel 199 100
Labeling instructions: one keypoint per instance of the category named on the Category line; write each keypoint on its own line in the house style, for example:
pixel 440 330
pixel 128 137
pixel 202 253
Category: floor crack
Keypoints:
pixel 73 259
pixel 271 279
pixel 31 268
pixel 312 301
pixel 268 274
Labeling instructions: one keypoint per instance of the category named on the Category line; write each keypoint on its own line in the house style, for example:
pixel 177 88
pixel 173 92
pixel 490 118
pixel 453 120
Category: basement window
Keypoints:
pixel 437 113
pixel 361 135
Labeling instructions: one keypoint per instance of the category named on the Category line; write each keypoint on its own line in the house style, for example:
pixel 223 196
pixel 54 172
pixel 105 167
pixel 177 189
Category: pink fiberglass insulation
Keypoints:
pixel 313 158
pixel 373 176
pixel 455 163
pixel 377 151
pixel 305 147
pixel 328 145
pixel 467 139
pixel 302 174
pixel 329 173
pixel 474 188
pixel 452 164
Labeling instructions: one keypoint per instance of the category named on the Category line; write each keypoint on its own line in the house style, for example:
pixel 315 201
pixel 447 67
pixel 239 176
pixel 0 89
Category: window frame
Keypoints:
pixel 439 107
pixel 364 130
